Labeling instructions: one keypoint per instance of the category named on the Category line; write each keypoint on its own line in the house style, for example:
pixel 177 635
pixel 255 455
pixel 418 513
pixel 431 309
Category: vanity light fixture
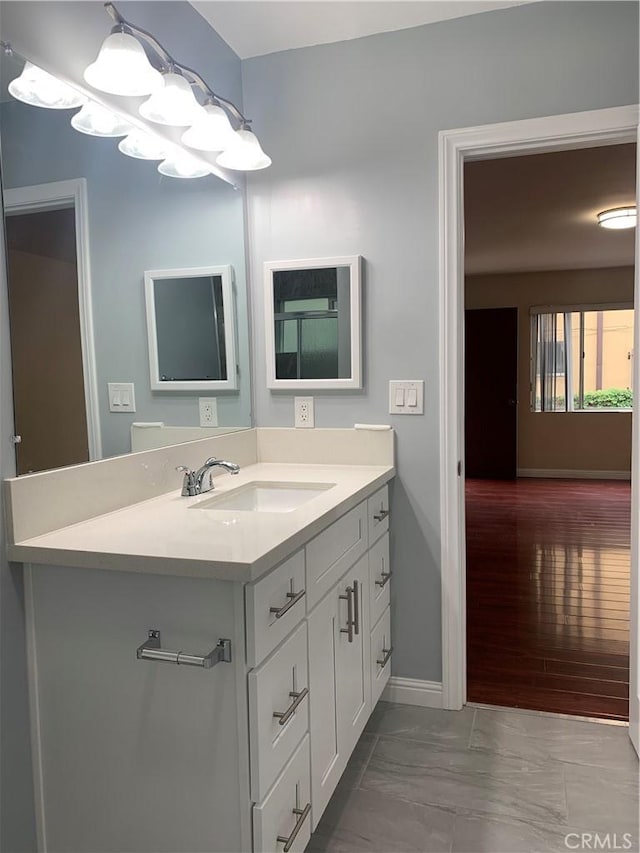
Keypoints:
pixel 173 104
pixel 212 131
pixel 122 67
pixel 180 164
pixel 617 218
pixel 96 120
pixel 38 88
pixel 245 154
pixel 143 146
pixel 123 60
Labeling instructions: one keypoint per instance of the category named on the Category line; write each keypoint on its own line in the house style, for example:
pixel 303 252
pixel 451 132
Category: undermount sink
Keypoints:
pixel 266 497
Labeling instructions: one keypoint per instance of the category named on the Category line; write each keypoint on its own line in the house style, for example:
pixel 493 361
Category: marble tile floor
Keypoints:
pixel 483 781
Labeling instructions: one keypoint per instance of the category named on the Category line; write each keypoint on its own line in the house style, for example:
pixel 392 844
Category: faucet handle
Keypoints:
pixel 188 483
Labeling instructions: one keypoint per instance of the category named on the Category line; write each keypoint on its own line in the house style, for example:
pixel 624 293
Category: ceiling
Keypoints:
pixel 538 212
pixel 257 27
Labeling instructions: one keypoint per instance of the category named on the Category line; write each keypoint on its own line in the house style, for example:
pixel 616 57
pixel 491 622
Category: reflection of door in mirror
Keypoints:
pixel 312 323
pixel 46 349
pixel 190 328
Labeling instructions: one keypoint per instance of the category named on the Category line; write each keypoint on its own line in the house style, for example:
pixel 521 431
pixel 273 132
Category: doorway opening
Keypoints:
pixel 51 330
pixel 549 329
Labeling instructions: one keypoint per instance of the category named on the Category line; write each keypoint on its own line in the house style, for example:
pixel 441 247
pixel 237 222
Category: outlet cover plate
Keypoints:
pixel 208 411
pixel 304 416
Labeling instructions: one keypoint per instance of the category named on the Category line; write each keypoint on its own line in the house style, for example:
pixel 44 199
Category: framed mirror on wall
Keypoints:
pixel 313 326
pixel 191 329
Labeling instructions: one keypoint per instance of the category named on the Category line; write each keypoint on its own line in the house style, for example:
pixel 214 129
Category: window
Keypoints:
pixel 582 358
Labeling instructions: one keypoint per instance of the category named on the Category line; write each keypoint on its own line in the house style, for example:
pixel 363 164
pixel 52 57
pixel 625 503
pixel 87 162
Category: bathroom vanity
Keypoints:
pixel 201 668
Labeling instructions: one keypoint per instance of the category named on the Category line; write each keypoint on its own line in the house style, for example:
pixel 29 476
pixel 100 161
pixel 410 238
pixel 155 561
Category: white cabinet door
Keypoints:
pixel 353 672
pixel 326 762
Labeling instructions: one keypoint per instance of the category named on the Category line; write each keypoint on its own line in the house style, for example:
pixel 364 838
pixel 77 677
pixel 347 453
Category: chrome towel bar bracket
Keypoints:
pixel 152 649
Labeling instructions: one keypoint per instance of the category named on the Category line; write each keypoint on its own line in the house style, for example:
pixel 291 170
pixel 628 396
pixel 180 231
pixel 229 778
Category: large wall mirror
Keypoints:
pixel 84 223
pixel 313 323
pixel 191 329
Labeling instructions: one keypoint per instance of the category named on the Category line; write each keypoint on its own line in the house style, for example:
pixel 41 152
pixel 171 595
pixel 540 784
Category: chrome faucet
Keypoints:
pixel 194 481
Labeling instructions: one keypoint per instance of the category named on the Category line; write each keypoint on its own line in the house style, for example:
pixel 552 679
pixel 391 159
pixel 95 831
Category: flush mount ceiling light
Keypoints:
pixel 96 120
pixel 38 88
pixel 122 67
pixel 183 165
pixel 173 104
pixel 618 218
pixel 143 146
pixel 245 153
pixel 211 132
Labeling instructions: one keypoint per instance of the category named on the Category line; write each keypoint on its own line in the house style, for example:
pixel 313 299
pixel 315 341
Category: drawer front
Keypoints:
pixel 380 646
pixel 379 578
pixel 378 512
pixel 278 720
pixel 286 809
pixel 274 607
pixel 334 551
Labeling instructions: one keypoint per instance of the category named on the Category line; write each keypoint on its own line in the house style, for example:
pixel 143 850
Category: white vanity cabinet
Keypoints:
pixel 133 753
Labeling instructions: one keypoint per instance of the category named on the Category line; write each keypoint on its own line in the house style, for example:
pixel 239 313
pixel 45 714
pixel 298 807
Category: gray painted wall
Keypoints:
pixel 353 129
pixel 139 220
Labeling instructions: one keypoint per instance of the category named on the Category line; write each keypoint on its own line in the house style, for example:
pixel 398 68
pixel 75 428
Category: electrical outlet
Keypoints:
pixel 303 407
pixel 208 408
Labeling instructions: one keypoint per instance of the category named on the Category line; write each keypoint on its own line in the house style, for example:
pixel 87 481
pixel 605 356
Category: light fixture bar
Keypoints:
pixel 167 59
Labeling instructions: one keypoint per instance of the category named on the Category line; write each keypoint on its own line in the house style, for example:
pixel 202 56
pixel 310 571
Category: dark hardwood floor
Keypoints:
pixel 548 566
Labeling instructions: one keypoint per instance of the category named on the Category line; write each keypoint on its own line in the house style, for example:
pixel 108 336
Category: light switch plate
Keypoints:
pixel 406 392
pixel 122 397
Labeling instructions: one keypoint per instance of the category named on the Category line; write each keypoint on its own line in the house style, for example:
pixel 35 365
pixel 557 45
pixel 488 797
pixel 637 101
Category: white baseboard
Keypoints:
pixel 413 691
pixel 571 474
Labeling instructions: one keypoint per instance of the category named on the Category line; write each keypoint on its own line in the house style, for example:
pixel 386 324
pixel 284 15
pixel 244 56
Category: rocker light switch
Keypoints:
pixel 121 397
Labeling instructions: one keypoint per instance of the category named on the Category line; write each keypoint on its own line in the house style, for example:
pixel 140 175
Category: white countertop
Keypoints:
pixel 166 535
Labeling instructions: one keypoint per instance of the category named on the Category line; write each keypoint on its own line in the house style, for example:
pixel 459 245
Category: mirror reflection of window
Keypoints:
pixel 312 323
pixel 190 328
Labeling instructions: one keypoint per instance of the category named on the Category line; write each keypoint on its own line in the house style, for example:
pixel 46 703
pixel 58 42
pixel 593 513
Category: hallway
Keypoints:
pixel 548 595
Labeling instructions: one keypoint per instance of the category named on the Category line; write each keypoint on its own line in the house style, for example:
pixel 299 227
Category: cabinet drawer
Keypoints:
pixel 380 651
pixel 286 809
pixel 274 606
pixel 378 512
pixel 379 578
pixel 271 687
pixel 334 551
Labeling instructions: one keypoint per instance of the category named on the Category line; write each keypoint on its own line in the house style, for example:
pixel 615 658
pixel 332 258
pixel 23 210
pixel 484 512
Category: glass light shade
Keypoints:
pixel 183 165
pixel 122 68
pixel 211 132
pixel 41 89
pixel 143 146
pixel 174 104
pixel 97 120
pixel 244 154
pixel 618 218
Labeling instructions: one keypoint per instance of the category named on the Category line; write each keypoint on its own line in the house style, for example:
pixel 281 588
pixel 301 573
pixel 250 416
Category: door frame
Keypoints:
pixel 530 136
pixel 54 196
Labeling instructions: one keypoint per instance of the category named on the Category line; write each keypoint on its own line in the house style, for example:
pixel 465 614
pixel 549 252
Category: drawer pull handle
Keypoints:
pixel 356 607
pixel 302 816
pixel 152 650
pixel 380 516
pixel 385 579
pixel 285 716
pixel 350 622
pixel 386 654
pixel 294 598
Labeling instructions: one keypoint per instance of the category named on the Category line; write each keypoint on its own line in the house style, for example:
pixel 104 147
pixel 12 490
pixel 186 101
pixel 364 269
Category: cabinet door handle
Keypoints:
pixel 356 607
pixel 294 598
pixel 152 649
pixel 302 816
pixel 285 716
pixel 350 623
pixel 380 516
pixel 386 654
pixel 385 579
